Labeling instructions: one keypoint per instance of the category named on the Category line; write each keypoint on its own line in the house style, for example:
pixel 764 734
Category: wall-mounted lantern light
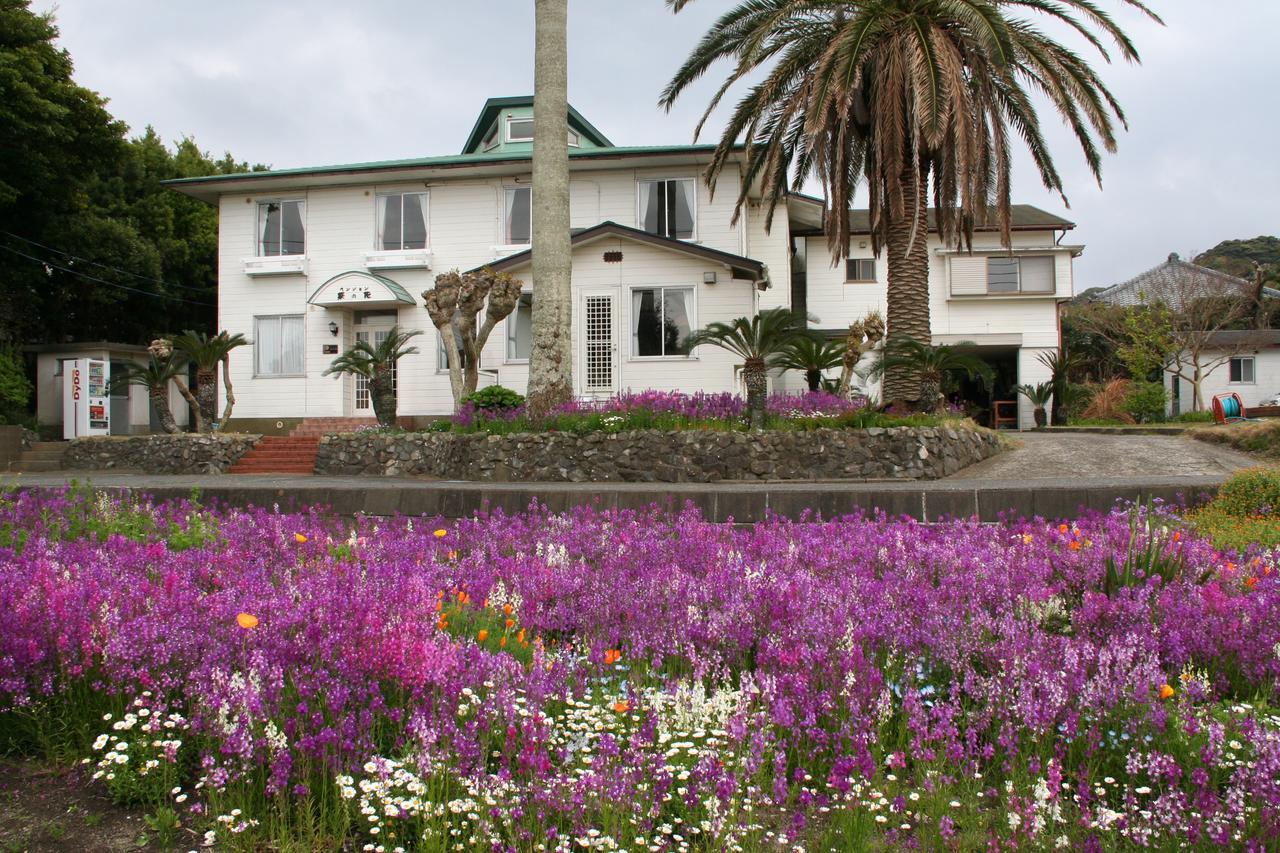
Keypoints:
pixel 333 328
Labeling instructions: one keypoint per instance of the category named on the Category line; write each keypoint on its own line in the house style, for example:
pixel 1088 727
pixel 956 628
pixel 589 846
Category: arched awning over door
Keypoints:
pixel 360 289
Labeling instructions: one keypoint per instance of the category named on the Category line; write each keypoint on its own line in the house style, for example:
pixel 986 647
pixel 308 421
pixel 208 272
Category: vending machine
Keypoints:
pixel 86 398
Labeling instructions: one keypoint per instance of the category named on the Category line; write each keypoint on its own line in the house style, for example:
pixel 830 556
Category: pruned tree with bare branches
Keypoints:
pixel 454 305
pixel 863 335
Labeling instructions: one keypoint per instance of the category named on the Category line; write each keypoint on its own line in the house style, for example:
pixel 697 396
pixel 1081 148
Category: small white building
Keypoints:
pixel 1252 372
pixel 313 259
pixel 131 412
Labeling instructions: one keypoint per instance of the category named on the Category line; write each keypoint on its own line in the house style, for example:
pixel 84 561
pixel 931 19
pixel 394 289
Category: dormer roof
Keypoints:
pixel 494 107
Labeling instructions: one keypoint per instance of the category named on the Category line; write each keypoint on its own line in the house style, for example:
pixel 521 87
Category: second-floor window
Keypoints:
pixel 280 228
pixel 1028 274
pixel 860 269
pixel 518 216
pixel 667 207
pixel 402 221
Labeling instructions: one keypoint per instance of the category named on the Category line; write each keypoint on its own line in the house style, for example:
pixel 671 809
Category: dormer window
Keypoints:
pixel 519 129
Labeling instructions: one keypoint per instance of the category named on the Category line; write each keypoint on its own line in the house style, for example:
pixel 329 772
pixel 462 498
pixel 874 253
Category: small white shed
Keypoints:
pixel 131 410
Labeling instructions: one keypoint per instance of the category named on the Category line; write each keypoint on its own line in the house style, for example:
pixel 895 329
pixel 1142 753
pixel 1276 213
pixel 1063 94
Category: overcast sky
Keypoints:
pixel 323 81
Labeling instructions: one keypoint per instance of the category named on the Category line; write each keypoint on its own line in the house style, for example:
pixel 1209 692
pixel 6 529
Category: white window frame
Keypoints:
pixel 1019 259
pixel 575 140
pixel 693 321
pixel 257 374
pixel 426 218
pixel 257 234
pixel 510 329
pixel 692 238
pixel 505 236
pixel 512 120
pixel 871 261
pixel 1253 370
pixel 492 138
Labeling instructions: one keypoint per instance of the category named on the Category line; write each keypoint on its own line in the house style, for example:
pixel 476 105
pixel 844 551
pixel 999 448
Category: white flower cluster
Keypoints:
pixel 138 736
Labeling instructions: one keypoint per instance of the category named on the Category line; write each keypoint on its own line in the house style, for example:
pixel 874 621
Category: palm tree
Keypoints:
pixel 760 342
pixel 155 376
pixel 812 355
pixel 208 352
pixel 902 94
pixel 551 356
pixel 1060 365
pixel 1039 396
pixel 377 365
pixel 929 365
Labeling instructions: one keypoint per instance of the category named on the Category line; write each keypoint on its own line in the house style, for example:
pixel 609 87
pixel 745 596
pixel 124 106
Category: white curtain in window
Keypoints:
pixel 518 215
pixel 292 232
pixel 682 220
pixel 383 213
pixel 415 221
pixel 291 346
pixel 266 345
pixel 637 306
pixel 520 329
pixel 650 206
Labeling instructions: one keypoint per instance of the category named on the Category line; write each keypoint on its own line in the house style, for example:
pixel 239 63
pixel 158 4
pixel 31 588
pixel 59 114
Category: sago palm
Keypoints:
pixel 1060 366
pixel 760 342
pixel 929 365
pixel 376 363
pixel 1039 396
pixel 207 352
pixel 155 375
pixel 812 356
pixel 904 95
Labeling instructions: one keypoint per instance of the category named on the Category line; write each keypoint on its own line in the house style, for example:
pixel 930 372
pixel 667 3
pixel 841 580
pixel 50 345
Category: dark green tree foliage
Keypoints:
pixel 1237 257
pixel 91 245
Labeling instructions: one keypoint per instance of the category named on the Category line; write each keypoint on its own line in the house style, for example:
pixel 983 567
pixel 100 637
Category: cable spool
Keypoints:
pixel 1228 407
pixel 1231 407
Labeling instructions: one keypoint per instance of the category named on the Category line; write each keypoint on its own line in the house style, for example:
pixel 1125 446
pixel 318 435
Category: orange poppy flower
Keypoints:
pixel 1062 528
pixel 1166 691
pixel 483 635
pixel 1073 545
pixel 520 637
pixel 622 707
pixel 612 656
pixel 299 538
pixel 443 623
pixel 511 623
pixel 506 609
pixel 1250 582
pixel 441 533
pixel 247 621
pixel 502 643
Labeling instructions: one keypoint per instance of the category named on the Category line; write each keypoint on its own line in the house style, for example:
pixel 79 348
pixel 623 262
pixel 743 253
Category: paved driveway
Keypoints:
pixel 1058 455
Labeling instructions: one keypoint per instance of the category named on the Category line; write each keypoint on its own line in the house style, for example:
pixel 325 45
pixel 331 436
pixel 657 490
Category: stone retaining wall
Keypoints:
pixel 646 456
pixel 189 453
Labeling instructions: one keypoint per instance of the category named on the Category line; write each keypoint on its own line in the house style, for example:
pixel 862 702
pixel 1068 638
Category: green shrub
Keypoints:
pixel 1254 491
pixel 1145 402
pixel 15 388
pixel 1193 418
pixel 494 398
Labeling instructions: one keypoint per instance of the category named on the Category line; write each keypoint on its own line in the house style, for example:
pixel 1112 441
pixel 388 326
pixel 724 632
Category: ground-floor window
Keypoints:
pixel 277 345
pixel 661 320
pixel 1242 370
pixel 520 329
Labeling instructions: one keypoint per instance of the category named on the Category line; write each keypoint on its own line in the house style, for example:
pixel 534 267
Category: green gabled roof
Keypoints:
pixel 493 106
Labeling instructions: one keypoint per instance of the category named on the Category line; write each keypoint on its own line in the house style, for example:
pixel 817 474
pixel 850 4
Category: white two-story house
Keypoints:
pixel 313 259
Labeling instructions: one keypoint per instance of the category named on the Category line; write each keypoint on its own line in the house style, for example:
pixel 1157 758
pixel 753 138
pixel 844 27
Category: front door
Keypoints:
pixel 599 375
pixel 373 331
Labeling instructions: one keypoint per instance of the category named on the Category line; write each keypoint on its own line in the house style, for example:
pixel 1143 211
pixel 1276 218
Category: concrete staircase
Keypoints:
pixel 41 456
pixel 280 454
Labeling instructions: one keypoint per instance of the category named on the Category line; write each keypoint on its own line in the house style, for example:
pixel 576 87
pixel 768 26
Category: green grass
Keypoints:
pixel 1258 437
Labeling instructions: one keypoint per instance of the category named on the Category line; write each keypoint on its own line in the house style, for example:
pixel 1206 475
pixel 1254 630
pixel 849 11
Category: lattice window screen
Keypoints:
pixel 599 342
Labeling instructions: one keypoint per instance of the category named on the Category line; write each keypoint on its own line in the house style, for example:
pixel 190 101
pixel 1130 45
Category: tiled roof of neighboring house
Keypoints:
pixel 1233 337
pixel 1023 217
pixel 741 267
pixel 1169 281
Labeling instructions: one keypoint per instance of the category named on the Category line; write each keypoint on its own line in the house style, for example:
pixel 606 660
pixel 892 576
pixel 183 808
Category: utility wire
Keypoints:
pixel 51 265
pixel 99 263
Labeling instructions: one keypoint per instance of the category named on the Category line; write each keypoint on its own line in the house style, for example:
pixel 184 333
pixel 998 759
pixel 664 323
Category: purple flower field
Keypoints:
pixel 645 682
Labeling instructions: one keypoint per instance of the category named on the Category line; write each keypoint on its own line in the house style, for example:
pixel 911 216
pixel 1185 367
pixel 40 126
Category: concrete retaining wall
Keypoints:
pixel 159 454
pixel 654 456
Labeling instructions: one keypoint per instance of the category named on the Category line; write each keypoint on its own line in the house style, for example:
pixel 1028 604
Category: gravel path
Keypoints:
pixel 1043 456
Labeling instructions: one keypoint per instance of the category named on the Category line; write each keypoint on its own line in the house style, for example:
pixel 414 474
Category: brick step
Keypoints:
pixel 34 465
pixel 268 456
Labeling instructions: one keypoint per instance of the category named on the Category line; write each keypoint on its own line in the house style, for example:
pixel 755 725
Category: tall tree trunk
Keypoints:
pixel 757 382
pixel 226 384
pixel 192 402
pixel 207 394
pixel 160 400
pixel 551 359
pixel 908 293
